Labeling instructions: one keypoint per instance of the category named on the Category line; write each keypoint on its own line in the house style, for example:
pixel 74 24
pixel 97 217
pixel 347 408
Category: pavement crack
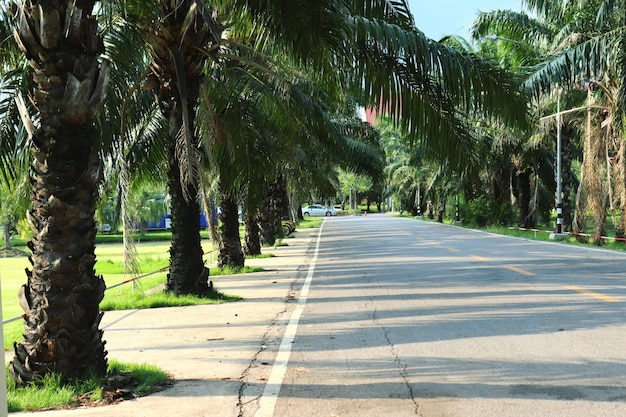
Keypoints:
pixel 254 377
pixel 400 364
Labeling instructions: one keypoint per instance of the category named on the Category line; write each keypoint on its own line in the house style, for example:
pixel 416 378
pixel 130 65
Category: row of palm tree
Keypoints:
pixel 573 50
pixel 247 93
pixel 569 56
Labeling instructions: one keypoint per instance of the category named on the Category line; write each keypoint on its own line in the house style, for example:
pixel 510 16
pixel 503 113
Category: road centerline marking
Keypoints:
pixel 519 270
pixel 593 294
pixel 509 267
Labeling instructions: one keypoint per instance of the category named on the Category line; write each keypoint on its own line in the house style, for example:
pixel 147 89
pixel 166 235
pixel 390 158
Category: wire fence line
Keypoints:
pixel 617 239
pixel 119 284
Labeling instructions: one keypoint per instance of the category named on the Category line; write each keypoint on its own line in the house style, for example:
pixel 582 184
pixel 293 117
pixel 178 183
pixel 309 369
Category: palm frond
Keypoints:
pixel 587 60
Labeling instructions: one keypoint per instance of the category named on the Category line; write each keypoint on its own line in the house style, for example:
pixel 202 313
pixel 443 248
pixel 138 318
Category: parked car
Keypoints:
pixel 318 210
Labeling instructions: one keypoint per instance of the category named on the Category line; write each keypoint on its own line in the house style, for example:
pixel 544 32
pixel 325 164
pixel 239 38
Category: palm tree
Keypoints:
pixel 63 47
pixel 593 37
pixel 538 45
pixel 180 36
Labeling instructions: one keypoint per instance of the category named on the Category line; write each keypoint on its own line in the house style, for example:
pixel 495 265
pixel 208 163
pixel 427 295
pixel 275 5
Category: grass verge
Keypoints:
pixel 139 379
pixel 162 299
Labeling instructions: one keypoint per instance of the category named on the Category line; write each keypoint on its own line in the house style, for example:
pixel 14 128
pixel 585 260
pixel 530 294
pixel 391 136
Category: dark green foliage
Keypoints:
pixel 485 211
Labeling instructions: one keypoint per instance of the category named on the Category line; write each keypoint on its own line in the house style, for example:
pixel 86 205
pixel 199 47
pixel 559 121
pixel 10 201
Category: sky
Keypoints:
pixel 438 18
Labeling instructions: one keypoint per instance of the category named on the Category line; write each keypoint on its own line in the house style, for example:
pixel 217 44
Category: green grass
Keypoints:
pixel 153 255
pixel 545 236
pixel 51 393
pixel 310 222
pixel 261 256
pixel 162 299
pixel 148 376
pixel 227 270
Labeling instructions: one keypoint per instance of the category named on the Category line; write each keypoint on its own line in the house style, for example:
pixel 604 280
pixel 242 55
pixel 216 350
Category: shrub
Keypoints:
pixel 485 211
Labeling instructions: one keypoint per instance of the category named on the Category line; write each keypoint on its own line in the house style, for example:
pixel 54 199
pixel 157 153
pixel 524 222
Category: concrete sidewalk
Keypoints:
pixel 209 350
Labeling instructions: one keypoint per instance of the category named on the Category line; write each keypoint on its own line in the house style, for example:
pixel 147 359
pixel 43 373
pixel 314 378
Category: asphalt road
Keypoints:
pixel 411 318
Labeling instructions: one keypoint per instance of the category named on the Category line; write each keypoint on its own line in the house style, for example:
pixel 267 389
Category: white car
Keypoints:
pixel 318 210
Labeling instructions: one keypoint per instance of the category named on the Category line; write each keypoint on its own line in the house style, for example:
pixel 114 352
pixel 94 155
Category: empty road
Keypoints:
pixel 400 317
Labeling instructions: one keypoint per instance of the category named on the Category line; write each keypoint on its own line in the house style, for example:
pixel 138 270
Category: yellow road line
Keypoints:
pixel 509 267
pixel 593 294
pixel 452 249
pixel 518 270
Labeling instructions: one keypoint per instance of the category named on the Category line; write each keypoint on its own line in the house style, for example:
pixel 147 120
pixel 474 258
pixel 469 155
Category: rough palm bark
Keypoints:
pixel 620 191
pixel 188 274
pixel 231 252
pixel 252 240
pixel 594 168
pixel 568 132
pixel 579 224
pixel 524 197
pixel 267 221
pixel 61 298
pixel 178 54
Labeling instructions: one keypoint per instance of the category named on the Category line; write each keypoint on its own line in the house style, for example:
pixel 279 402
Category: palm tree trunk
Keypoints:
pixel 270 213
pixel 568 131
pixel 621 189
pixel 177 63
pixel 231 253
pixel 61 299
pixel 524 196
pixel 252 244
pixel 267 223
pixel 579 225
pixel 7 235
pixel 187 275
pixel 594 166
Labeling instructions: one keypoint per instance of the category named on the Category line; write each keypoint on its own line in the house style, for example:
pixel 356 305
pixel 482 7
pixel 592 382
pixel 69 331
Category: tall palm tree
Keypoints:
pixel 548 49
pixel 592 42
pixel 180 36
pixel 62 44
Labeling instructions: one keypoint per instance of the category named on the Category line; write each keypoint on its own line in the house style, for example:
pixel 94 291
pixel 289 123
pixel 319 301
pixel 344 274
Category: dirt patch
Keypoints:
pixel 12 253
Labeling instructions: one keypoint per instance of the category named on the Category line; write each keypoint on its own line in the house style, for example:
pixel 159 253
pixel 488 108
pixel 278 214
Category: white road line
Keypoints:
pixel 267 402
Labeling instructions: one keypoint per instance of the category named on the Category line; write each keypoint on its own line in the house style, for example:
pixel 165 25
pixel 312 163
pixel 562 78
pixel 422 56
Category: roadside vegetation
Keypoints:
pixel 124 381
pixel 539 233
pixel 146 292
